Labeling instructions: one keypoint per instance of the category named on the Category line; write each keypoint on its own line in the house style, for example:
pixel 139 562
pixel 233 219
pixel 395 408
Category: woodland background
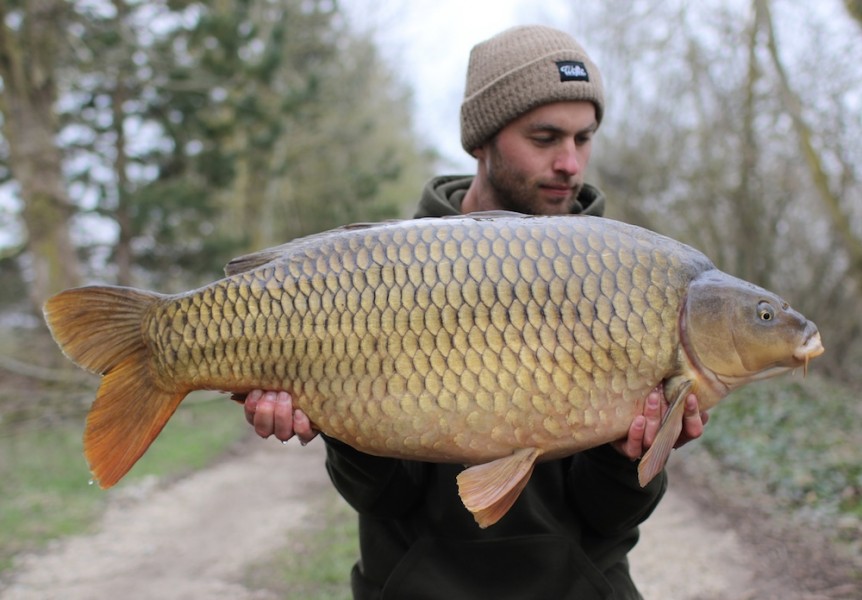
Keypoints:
pixel 147 143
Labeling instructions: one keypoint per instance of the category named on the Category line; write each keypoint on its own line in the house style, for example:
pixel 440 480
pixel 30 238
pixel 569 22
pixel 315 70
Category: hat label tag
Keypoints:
pixel 572 70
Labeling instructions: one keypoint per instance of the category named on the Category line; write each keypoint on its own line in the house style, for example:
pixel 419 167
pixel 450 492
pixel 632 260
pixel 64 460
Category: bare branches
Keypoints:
pixel 840 219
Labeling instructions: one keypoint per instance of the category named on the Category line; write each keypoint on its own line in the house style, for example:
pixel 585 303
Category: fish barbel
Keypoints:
pixel 491 340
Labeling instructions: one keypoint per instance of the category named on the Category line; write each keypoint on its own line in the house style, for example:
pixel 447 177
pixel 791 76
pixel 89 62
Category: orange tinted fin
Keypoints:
pixel 128 414
pixel 489 490
pixel 656 457
pixel 100 329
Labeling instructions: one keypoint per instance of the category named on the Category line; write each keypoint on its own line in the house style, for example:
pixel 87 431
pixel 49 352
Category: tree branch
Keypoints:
pixel 840 219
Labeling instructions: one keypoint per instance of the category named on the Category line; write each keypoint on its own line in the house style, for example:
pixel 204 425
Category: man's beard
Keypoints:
pixel 515 191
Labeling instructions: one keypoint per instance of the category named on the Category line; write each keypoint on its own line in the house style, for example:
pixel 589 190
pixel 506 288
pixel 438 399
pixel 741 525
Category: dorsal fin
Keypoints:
pixel 249 262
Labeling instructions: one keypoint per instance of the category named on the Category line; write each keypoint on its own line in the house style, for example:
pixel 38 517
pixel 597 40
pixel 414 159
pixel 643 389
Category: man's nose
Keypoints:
pixel 566 161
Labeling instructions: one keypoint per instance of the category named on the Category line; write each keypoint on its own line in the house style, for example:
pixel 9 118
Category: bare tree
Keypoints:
pixel 840 218
pixel 705 140
pixel 854 7
pixel 28 55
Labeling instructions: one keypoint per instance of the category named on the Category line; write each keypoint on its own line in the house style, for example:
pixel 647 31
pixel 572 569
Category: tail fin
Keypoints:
pixel 100 329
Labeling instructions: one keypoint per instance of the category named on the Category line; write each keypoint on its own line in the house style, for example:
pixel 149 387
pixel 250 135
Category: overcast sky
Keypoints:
pixel 429 42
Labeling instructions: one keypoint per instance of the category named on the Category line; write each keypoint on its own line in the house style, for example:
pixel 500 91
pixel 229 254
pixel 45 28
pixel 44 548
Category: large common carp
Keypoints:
pixel 492 340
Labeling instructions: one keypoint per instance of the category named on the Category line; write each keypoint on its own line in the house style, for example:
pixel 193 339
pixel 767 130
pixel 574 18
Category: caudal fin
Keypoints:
pixel 100 329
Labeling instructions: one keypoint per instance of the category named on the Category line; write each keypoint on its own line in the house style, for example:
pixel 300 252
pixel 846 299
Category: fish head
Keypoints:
pixel 736 332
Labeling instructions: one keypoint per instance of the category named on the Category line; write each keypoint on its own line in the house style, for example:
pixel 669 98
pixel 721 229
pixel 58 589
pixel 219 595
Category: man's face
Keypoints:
pixel 536 163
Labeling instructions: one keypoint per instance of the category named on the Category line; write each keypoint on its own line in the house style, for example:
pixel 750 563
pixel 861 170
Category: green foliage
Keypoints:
pixel 801 439
pixel 229 127
pixel 43 489
pixel 12 285
pixel 174 218
pixel 324 134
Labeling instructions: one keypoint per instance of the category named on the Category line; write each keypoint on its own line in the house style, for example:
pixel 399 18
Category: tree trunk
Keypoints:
pixel 123 250
pixel 27 63
pixel 854 7
pixel 748 205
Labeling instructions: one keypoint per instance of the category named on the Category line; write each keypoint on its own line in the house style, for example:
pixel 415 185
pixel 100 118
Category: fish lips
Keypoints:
pixel 811 347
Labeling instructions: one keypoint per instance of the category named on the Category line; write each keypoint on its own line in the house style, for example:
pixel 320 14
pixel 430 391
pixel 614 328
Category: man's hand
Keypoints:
pixel 272 413
pixel 644 427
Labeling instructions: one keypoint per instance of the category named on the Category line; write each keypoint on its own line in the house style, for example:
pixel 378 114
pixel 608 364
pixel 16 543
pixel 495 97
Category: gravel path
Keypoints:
pixel 196 537
pixel 189 540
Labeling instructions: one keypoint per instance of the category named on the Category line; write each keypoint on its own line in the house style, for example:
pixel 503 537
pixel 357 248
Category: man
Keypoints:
pixel 533 103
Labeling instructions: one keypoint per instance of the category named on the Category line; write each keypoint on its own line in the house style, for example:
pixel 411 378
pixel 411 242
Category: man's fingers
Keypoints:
pixel 632 445
pixel 250 405
pixel 693 422
pixel 653 416
pixel 272 413
pixel 283 425
pixel 302 427
pixel 264 415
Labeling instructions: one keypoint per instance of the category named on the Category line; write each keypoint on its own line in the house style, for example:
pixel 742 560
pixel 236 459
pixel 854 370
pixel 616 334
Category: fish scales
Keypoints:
pixel 437 328
pixel 489 340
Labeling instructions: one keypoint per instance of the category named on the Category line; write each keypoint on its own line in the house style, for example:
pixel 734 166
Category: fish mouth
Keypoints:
pixel 810 348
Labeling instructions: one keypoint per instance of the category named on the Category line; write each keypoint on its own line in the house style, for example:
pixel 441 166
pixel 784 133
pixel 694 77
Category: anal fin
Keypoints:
pixel 489 490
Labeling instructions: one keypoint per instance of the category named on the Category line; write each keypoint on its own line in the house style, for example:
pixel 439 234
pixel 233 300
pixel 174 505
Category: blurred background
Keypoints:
pixel 147 143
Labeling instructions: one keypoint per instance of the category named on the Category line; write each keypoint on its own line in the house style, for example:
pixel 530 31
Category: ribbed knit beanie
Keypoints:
pixel 519 69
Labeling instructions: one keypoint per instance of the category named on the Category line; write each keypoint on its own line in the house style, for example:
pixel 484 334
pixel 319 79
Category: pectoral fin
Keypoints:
pixel 656 457
pixel 489 490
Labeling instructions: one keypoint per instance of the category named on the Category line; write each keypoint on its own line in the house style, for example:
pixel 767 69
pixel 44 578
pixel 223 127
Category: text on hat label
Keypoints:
pixel 572 70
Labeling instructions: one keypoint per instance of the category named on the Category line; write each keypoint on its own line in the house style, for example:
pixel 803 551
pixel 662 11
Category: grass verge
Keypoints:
pixel 801 441
pixel 316 560
pixel 44 479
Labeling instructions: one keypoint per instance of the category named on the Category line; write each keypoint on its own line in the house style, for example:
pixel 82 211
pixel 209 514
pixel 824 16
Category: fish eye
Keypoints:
pixel 765 311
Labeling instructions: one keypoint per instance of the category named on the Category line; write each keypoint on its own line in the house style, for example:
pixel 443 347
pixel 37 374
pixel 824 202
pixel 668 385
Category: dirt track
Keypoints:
pixel 195 538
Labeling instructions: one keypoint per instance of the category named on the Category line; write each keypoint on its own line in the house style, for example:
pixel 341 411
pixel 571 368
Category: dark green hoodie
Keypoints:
pixel 443 196
pixel 566 537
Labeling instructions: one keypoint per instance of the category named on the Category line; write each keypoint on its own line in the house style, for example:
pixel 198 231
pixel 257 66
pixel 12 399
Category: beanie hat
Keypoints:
pixel 519 69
